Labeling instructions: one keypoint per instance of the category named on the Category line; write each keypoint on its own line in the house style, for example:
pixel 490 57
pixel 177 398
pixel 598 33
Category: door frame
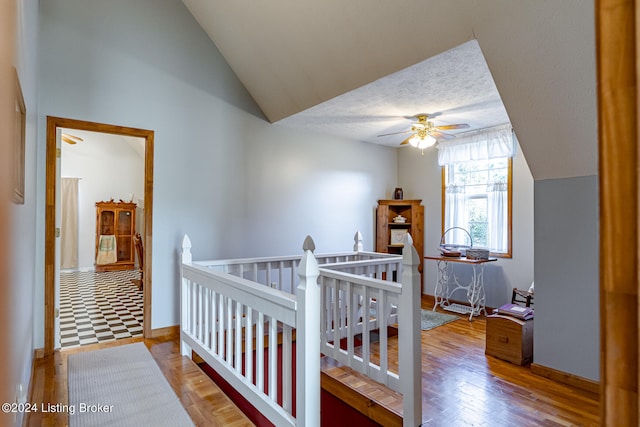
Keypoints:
pixel 50 216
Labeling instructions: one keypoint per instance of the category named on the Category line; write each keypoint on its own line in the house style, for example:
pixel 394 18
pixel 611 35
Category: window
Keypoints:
pixel 477 198
pixel 477 190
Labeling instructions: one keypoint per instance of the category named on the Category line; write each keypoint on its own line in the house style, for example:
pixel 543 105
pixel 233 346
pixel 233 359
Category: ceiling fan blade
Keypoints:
pixel 406 141
pixel 440 135
pixel 68 140
pixel 71 139
pixel 395 133
pixel 447 127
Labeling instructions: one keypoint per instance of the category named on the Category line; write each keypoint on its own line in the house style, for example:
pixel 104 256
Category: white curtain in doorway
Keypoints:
pixel 69 223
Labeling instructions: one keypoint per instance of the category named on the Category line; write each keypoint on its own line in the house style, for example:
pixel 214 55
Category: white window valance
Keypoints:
pixel 479 145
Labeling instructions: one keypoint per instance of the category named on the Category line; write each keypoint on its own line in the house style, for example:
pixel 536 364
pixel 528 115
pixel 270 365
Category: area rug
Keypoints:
pixel 121 386
pixel 432 319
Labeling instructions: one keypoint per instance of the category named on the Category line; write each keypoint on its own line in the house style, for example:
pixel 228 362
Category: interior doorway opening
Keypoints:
pixel 55 126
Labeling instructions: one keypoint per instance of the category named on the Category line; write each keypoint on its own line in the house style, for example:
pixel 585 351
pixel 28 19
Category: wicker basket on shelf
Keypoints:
pixel 477 253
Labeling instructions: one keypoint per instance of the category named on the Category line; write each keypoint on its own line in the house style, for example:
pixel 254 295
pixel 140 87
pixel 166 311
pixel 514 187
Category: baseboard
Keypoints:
pixel 566 378
pixel 168 332
pixel 38 353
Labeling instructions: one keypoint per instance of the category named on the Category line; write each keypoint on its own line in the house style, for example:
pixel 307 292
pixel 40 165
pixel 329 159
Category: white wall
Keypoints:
pixel 221 172
pixel 420 177
pixel 109 168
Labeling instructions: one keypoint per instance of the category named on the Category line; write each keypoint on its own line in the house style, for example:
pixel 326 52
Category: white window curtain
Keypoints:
pixel 455 216
pixel 69 225
pixel 479 145
pixel 497 216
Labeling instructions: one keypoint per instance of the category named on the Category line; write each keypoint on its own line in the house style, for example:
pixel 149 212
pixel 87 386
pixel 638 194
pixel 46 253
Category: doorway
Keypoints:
pixel 52 152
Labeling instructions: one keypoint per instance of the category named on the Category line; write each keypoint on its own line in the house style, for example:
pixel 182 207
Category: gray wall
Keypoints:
pixel 236 184
pixel 567 329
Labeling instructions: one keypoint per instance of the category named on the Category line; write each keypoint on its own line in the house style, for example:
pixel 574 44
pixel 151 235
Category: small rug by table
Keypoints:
pixel 432 319
pixel 121 386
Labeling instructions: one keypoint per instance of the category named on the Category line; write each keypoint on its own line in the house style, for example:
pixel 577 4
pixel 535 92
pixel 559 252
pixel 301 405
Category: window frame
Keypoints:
pixel 509 253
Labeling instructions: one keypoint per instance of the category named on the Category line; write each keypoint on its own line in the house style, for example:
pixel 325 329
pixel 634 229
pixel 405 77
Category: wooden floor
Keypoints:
pixel 203 400
pixel 461 387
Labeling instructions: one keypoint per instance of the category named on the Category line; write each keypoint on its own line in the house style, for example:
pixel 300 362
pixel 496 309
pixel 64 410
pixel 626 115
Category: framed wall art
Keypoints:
pixel 19 127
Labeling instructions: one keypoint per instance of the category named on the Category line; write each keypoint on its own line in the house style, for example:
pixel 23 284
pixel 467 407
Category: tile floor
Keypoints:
pixel 97 307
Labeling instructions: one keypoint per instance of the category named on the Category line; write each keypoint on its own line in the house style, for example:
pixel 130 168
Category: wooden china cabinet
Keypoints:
pixel 116 219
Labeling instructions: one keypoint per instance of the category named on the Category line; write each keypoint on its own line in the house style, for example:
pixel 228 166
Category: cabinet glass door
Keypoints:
pixel 124 222
pixel 124 235
pixel 107 223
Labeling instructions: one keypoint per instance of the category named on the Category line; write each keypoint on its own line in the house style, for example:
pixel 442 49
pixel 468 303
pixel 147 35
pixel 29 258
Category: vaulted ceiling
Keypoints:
pixel 359 68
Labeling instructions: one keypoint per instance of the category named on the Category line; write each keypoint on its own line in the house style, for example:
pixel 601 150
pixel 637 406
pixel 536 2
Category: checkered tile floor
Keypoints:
pixel 97 307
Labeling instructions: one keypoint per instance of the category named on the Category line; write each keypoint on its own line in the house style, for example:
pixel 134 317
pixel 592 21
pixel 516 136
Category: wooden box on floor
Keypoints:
pixel 509 339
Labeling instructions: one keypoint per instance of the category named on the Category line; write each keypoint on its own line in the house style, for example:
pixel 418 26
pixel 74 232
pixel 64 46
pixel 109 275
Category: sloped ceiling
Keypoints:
pixel 301 60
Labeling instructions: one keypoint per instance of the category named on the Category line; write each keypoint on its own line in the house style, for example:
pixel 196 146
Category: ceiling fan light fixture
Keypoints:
pixel 422 143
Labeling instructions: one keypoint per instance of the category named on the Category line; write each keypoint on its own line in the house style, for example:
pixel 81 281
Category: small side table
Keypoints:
pixel 448 283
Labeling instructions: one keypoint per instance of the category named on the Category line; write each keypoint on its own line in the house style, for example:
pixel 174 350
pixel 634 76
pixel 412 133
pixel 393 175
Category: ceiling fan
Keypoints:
pixel 425 133
pixel 71 139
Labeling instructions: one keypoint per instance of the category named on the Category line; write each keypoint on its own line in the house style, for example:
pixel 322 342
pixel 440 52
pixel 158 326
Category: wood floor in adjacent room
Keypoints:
pixel 461 386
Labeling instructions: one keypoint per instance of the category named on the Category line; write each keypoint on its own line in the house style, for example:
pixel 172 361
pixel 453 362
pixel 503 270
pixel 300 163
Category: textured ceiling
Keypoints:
pixel 357 69
pixel 452 87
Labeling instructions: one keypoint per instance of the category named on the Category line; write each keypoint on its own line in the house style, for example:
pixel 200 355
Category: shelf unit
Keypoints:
pixel 118 219
pixel 389 234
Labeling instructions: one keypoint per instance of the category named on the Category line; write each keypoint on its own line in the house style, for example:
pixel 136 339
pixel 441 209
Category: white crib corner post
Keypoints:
pixel 410 350
pixel 308 340
pixel 185 258
pixel 358 246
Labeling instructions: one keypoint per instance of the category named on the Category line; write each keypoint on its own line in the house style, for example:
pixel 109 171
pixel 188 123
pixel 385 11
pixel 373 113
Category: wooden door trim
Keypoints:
pixel 50 214
pixel 617 91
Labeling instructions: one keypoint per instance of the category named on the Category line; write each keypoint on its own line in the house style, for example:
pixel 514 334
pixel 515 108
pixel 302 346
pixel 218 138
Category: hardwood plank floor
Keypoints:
pixel 461 386
pixel 206 404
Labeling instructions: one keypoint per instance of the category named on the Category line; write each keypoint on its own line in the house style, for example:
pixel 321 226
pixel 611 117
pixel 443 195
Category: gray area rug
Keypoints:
pixel 432 319
pixel 121 386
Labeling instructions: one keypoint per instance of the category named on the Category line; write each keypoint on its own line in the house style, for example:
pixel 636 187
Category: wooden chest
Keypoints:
pixel 509 338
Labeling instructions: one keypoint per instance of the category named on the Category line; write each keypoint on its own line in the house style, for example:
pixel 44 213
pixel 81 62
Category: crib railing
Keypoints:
pixel 231 312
